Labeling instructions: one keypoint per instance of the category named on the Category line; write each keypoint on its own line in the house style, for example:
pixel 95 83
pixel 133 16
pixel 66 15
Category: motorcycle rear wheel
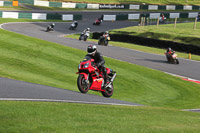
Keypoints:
pixel 108 91
pixel 82 85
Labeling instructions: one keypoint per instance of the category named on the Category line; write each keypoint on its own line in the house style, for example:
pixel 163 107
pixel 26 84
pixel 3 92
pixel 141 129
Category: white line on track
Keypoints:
pixel 192 110
pixel 67 101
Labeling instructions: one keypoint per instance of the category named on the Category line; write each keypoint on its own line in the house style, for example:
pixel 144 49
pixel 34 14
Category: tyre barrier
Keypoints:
pixel 187 48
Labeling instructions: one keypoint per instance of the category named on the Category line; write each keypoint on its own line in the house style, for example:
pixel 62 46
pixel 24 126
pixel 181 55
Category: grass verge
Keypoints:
pixel 42 62
pixel 38 61
pixel 44 117
pixel 183 33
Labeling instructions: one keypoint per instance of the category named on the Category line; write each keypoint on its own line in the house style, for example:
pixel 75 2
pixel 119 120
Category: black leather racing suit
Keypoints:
pixel 99 60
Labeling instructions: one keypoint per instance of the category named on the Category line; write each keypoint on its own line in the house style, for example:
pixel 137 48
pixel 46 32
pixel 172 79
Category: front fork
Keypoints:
pixel 86 77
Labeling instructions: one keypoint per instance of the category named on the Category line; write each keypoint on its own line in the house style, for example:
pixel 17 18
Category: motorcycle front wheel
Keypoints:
pixel 108 91
pixel 176 60
pixel 85 38
pixel 80 37
pixel 83 86
pixel 99 42
pixel 106 43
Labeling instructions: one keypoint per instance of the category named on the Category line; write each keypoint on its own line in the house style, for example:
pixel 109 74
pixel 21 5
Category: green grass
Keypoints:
pixel 44 117
pixel 42 62
pixel 7 20
pixel 10 8
pixel 183 33
pixel 140 48
pixel 33 60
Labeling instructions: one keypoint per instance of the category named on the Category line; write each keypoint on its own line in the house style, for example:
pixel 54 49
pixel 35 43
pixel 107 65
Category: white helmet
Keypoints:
pixel 88 29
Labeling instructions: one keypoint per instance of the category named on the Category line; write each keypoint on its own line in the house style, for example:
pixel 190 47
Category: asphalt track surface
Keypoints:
pixel 22 90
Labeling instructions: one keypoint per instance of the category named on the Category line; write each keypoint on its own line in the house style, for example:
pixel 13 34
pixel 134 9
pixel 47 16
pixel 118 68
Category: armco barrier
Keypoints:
pixel 68 5
pixel 1 3
pixel 27 1
pixel 41 16
pixel 137 16
pixel 54 16
pixel 111 6
pixel 25 15
pixel 55 4
pixel 6 3
pixel 81 5
pixel 152 42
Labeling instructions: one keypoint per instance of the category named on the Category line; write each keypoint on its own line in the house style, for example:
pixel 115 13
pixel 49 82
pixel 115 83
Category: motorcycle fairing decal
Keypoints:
pixel 98 80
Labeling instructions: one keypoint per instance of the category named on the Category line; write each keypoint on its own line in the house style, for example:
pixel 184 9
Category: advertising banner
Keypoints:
pixel 111 6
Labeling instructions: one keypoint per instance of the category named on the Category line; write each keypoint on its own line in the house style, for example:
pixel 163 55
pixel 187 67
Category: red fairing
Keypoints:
pixel 108 70
pixel 86 68
pixel 90 78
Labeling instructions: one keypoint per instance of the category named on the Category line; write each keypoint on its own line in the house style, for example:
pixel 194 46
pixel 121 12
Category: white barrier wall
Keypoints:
pixel 174 15
pixel 170 7
pixel 41 3
pixel 1 3
pixel 42 16
pixel 93 6
pixel 187 7
pixel 136 7
pixel 193 14
pixel 109 17
pixel 154 15
pixel 68 5
pixel 67 17
pixel 153 7
pixel 10 15
pixel 133 16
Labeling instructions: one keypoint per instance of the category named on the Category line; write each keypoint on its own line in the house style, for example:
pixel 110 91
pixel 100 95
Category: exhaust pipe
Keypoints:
pixel 111 81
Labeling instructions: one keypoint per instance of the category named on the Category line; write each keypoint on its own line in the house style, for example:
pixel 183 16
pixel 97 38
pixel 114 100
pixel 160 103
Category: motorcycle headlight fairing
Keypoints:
pixel 86 65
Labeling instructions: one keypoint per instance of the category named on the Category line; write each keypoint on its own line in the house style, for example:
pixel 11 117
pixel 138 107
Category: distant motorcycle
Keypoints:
pixel 90 78
pixel 162 20
pixel 73 26
pixel 172 58
pixel 103 40
pixel 97 22
pixel 49 28
pixel 84 36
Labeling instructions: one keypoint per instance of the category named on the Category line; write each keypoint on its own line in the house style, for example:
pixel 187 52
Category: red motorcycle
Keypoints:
pixel 90 78
pixel 97 22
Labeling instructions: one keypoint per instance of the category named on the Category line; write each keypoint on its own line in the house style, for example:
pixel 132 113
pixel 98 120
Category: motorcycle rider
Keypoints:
pixel 99 60
pixel 106 34
pixel 75 23
pixel 85 34
pixel 52 25
pixel 86 30
pixel 169 52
